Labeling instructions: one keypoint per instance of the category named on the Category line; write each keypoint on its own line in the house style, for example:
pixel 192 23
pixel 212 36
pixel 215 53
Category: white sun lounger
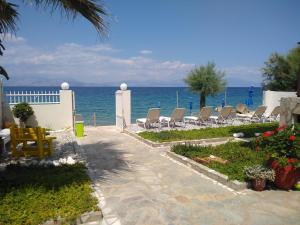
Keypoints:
pixel 257 116
pixel 152 118
pixel 202 118
pixel 274 115
pixel 177 116
pixel 223 116
pixel 241 109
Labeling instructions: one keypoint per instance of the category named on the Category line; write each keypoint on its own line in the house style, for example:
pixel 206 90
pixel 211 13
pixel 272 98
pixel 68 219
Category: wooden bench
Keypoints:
pixel 30 142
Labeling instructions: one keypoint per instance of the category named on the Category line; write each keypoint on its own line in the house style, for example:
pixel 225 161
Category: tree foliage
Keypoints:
pixel 92 10
pixel 8 17
pixel 281 71
pixel 206 81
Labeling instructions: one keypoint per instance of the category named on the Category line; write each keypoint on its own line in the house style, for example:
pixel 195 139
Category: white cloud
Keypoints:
pixel 145 52
pixel 11 38
pixel 96 65
pixel 240 70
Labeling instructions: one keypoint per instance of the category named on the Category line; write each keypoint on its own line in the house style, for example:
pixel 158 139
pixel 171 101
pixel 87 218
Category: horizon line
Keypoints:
pixel 119 86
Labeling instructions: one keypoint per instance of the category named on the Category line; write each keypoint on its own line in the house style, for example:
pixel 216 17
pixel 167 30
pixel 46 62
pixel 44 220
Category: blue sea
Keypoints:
pixel 101 100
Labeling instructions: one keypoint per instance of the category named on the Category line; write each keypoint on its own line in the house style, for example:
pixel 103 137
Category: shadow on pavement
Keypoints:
pixel 107 161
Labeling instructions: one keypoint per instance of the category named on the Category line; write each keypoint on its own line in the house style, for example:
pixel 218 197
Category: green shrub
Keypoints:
pixel 177 135
pixel 35 194
pixel 22 111
pixel 239 155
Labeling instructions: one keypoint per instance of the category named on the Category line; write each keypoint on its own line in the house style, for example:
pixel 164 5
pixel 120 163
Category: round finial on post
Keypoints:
pixel 123 87
pixel 65 86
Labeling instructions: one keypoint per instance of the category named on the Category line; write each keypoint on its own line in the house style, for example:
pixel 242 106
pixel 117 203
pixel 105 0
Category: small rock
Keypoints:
pixel 91 217
pixel 56 163
pixel 70 160
pixel 238 135
pixel 34 162
pixel 62 161
pixel 42 162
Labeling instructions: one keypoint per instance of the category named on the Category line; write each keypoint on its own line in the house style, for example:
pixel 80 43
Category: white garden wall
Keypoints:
pixel 54 115
pixel 271 99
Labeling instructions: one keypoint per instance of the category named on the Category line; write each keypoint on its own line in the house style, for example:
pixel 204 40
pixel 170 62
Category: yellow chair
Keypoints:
pixel 43 144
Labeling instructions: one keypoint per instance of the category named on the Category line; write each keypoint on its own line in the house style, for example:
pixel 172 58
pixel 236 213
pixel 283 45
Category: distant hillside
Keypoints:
pixel 45 81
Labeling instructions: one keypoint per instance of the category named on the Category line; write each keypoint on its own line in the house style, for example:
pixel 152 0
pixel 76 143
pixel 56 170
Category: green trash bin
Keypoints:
pixel 79 128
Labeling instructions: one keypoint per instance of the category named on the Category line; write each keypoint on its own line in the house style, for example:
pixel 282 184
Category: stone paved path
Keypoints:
pixel 141 185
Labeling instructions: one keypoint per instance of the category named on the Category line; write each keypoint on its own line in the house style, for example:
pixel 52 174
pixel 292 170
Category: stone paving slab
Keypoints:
pixel 138 184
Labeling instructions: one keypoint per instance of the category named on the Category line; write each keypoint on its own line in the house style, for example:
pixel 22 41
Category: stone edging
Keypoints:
pixel 171 143
pixel 88 218
pixel 223 179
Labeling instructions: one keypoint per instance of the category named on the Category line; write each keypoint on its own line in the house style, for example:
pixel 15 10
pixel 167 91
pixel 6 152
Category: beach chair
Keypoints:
pixel 202 118
pixel 223 117
pixel 152 118
pixel 257 116
pixel 241 109
pixel 177 116
pixel 274 115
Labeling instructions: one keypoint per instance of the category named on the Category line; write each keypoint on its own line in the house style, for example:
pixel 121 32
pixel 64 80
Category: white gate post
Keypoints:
pixel 123 107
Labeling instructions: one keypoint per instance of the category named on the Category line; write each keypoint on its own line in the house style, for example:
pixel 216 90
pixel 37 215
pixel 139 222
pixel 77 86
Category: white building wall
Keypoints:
pixel 53 116
pixel 271 99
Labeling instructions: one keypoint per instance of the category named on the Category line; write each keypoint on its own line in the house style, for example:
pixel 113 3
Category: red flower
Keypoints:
pixel 281 128
pixel 268 133
pixel 292 137
pixel 292 160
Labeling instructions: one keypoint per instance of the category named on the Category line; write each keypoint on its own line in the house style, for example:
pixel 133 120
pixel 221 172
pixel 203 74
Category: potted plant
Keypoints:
pixel 259 175
pixel 283 151
pixel 22 111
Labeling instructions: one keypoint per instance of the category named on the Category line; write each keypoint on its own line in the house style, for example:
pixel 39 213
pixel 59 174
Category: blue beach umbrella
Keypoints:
pixel 249 100
pixel 223 102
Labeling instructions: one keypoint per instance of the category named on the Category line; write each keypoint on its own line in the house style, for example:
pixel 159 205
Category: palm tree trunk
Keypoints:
pixel 202 100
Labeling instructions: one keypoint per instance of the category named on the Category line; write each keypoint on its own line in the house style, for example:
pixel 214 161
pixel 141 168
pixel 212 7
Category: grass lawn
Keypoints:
pixel 34 194
pixel 239 155
pixel 178 135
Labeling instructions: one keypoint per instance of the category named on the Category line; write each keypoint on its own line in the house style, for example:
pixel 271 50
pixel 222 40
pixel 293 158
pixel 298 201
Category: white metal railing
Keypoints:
pixel 32 97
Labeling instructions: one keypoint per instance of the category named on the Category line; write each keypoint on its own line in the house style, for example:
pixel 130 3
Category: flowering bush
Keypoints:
pixel 282 144
pixel 260 172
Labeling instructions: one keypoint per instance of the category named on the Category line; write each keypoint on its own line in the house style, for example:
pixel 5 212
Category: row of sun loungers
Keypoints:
pixel 227 115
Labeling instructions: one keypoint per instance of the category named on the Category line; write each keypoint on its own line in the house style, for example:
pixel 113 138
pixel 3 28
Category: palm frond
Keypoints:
pixel 8 17
pixel 89 9
pixel 3 72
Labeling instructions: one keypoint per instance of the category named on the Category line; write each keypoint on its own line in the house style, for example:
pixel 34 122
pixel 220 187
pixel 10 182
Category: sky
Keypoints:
pixel 151 43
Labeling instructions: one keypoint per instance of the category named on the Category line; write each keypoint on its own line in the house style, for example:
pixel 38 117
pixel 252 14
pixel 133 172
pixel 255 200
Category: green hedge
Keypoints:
pixel 239 155
pixel 178 135
pixel 35 194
